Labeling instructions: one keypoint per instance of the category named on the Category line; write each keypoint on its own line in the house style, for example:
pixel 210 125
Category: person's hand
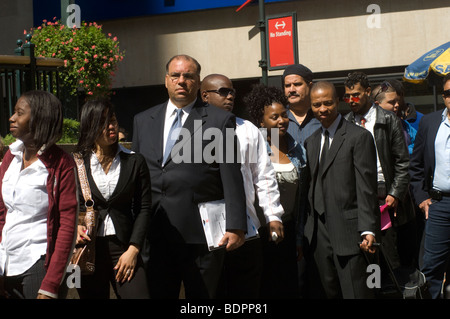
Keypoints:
pixel 276 227
pixel 82 235
pixel 233 239
pixel 367 243
pixel 392 203
pixel 299 253
pixel 42 296
pixel 126 264
pixel 424 206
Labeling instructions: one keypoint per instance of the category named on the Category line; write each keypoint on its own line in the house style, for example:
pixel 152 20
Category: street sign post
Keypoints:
pixel 282 40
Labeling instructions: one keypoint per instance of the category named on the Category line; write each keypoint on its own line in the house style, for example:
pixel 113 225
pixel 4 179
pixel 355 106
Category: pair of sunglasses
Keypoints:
pixel 354 98
pixel 224 92
pixel 446 93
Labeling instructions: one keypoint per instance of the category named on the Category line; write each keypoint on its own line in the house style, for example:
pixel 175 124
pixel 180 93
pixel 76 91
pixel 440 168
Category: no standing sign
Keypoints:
pixel 282 41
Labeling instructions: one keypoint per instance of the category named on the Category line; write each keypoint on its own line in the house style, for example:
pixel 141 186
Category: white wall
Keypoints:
pixel 333 35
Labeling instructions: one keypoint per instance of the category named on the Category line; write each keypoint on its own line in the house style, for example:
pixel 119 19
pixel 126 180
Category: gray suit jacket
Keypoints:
pixel 177 188
pixel 349 182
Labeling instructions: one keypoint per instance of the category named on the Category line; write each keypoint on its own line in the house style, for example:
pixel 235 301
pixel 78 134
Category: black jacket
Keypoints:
pixel 394 160
pixel 130 204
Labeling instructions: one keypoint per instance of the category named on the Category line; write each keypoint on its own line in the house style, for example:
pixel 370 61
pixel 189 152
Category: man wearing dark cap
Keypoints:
pixel 297 81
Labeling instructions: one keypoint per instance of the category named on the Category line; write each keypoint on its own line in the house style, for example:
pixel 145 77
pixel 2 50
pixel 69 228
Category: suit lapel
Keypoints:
pixel 338 139
pixel 193 123
pixel 127 164
pixel 156 127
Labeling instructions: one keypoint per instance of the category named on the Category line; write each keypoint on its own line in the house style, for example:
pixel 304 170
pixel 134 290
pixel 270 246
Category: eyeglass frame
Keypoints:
pixel 228 92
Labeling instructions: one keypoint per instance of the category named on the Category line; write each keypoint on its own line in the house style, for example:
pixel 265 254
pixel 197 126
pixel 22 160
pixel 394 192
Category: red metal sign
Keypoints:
pixel 282 41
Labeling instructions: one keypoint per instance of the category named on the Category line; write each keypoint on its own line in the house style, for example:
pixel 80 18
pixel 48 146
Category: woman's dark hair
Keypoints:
pixel 260 97
pixel 46 119
pixel 95 116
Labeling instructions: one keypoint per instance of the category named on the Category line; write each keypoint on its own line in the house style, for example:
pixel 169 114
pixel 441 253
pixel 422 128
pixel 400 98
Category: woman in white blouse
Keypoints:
pixel 120 187
pixel 38 203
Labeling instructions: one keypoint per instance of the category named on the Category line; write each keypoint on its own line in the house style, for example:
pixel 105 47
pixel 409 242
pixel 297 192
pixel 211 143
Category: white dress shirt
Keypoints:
pixel 106 184
pixel 258 173
pixel 371 117
pixel 24 235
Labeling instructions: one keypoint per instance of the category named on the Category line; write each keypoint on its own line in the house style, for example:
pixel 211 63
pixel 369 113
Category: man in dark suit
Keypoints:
pixel 344 208
pixel 430 181
pixel 182 179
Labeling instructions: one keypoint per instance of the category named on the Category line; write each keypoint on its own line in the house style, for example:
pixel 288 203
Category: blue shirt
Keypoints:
pixel 441 180
pixel 300 132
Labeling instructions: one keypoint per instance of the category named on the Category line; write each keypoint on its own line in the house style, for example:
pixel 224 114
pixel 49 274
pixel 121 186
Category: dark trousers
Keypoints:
pixel 26 285
pixel 173 263
pixel 399 241
pixel 330 276
pixel 437 245
pixel 241 275
pixel 280 271
pixel 97 286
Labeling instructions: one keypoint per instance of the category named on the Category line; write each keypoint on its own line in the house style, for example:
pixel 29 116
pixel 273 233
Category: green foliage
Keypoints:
pixel 90 56
pixel 71 130
pixel 8 140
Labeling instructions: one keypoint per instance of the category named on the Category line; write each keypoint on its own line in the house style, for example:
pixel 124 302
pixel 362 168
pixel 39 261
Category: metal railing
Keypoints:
pixel 23 72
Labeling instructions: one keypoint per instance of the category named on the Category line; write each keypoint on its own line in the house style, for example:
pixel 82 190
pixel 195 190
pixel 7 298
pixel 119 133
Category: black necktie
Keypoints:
pixel 319 198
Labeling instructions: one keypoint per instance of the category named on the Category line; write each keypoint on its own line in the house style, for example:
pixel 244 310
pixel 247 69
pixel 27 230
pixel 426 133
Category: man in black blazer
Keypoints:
pixel 342 194
pixel 189 176
pixel 430 171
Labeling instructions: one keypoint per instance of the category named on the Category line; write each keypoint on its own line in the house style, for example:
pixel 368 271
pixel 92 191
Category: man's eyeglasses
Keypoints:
pixel 446 93
pixel 224 92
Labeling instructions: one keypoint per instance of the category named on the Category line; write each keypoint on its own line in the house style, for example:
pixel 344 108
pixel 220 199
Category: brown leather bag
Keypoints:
pixel 84 254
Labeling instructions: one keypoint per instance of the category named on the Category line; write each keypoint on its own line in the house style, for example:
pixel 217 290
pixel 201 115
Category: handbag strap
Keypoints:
pixel 83 178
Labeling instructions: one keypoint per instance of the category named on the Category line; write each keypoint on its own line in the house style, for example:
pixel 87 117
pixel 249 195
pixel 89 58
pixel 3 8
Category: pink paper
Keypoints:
pixel 385 219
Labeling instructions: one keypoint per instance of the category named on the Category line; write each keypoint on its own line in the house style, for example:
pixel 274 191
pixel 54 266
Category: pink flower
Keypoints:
pixel 98 85
pixel 81 81
pixel 24 31
pixel 46 40
pixel 53 54
pixel 109 34
pixel 76 48
pixel 65 62
pixel 86 61
pixel 105 65
pixel 93 47
pixel 95 56
pixel 70 40
pixel 115 39
pixel 90 93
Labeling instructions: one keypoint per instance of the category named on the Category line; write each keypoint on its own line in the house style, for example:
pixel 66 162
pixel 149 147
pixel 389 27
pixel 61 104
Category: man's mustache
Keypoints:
pixel 293 94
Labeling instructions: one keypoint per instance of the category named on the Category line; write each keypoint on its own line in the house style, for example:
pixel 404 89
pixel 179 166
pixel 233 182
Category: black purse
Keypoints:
pixel 84 254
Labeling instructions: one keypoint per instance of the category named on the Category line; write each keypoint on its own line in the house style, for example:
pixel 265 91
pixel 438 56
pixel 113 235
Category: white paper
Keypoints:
pixel 213 215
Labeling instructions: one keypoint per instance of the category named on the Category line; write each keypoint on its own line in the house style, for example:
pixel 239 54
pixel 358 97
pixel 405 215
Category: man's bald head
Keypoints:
pixel 324 85
pixel 217 90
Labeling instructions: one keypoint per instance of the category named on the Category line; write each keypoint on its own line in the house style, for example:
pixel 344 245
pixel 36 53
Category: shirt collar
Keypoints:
pixel 444 115
pixel 186 109
pixel 333 127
